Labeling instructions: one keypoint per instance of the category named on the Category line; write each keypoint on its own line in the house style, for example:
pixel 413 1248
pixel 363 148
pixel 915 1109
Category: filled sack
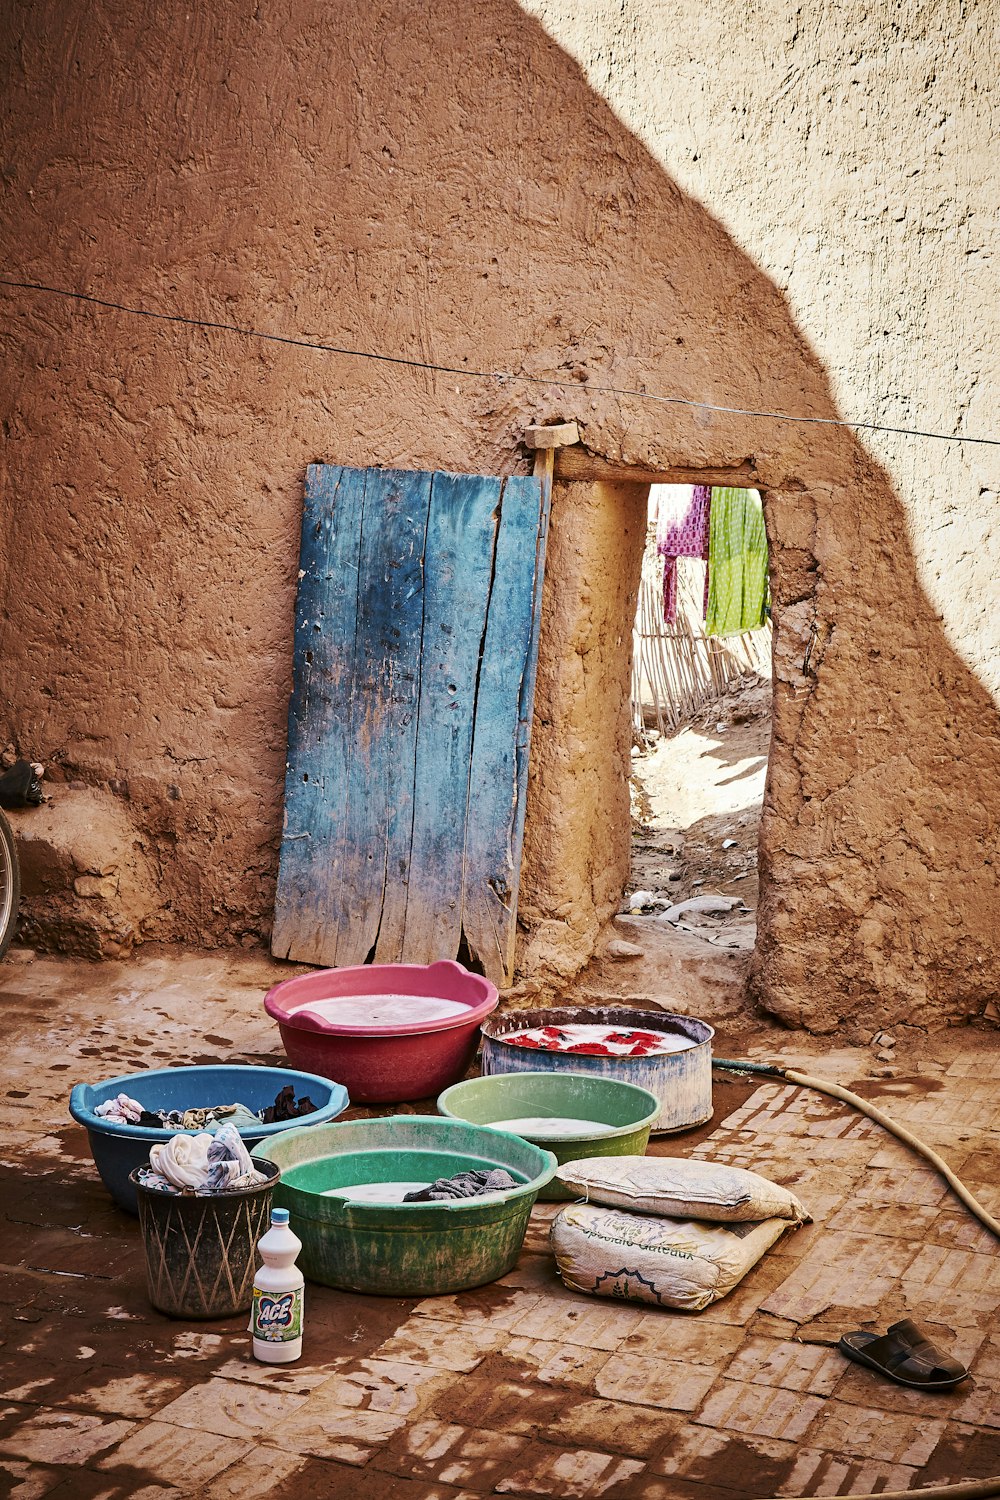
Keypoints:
pixel 680 1188
pixel 666 1262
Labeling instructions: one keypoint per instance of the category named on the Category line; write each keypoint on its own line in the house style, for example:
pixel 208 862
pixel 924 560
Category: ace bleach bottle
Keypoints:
pixel 276 1320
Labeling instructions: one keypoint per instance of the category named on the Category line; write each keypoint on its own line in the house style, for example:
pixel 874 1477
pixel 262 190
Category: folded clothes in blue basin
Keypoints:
pixel 120 1145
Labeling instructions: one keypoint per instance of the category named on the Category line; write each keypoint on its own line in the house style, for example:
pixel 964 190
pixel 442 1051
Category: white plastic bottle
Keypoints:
pixel 276 1319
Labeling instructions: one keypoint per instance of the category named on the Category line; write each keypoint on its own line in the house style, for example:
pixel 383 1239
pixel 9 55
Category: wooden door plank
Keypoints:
pixel 369 865
pixel 491 870
pixel 544 470
pixel 379 810
pixel 457 571
pixel 319 712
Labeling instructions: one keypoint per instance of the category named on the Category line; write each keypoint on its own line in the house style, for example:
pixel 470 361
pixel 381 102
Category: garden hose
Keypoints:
pixel 966 1489
pixel 806 1081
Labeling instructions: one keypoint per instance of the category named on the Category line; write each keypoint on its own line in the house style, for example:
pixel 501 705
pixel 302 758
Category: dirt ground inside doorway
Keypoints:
pixel 696 798
pixel 696 801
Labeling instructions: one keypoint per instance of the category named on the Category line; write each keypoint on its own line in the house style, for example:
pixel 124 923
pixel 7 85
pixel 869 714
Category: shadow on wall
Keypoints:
pixel 440 182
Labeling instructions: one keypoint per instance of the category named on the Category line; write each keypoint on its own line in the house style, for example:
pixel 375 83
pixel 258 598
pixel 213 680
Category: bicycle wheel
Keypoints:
pixel 10 885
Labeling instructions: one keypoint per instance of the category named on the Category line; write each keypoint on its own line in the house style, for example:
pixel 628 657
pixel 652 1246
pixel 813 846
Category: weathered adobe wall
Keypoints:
pixel 445 182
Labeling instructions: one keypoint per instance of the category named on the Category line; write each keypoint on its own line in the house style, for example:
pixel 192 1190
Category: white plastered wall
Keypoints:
pixel 850 150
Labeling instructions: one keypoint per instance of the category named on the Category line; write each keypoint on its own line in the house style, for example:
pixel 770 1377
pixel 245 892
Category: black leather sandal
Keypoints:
pixel 905 1355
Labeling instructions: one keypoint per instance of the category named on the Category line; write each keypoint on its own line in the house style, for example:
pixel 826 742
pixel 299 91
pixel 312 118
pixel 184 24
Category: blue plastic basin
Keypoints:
pixel 118 1149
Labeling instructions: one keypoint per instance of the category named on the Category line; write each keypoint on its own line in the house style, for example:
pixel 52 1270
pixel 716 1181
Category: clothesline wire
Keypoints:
pixel 509 375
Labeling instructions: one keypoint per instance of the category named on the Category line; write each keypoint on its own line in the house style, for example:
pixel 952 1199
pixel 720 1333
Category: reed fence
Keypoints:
pixel 677 669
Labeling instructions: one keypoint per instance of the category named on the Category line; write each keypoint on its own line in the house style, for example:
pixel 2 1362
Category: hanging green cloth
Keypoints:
pixel 737 563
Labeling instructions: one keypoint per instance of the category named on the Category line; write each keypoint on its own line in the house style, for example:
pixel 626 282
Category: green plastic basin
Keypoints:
pixel 626 1113
pixel 405 1249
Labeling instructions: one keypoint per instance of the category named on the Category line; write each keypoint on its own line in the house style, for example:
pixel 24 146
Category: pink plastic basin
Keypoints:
pixel 391 1062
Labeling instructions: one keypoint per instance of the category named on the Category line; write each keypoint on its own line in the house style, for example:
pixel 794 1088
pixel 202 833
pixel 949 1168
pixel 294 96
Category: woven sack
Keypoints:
pixel 667 1262
pixel 680 1188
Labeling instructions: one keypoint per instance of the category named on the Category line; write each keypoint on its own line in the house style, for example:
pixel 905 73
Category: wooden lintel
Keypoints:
pixel 577 463
pixel 560 435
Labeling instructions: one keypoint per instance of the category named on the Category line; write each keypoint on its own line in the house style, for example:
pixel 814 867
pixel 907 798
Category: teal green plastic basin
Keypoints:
pixel 625 1112
pixel 404 1249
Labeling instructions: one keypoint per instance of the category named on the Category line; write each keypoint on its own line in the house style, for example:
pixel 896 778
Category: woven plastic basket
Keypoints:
pixel 201 1251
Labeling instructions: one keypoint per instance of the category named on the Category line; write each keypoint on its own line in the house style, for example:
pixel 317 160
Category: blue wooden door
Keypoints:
pixel 416 642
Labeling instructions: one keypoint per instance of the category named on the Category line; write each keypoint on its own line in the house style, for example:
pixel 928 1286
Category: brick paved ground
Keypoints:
pixel 521 1388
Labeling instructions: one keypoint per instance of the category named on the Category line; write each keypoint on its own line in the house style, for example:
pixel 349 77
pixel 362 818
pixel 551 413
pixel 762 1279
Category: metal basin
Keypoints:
pixel 682 1081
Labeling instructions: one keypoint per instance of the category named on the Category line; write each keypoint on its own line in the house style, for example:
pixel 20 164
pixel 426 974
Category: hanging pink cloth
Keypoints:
pixel 682 528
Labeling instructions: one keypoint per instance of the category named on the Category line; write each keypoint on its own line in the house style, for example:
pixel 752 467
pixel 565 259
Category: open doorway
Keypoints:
pixel 701 723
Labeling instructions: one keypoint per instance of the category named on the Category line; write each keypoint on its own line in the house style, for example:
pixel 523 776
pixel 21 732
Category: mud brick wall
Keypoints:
pixel 775 211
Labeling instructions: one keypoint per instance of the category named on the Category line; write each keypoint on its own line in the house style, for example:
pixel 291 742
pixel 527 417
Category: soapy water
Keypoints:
pixel 380 1012
pixel 375 1192
pixel 553 1125
pixel 593 1040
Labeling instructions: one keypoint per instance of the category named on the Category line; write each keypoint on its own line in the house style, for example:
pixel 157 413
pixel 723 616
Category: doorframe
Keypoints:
pixel 558 451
